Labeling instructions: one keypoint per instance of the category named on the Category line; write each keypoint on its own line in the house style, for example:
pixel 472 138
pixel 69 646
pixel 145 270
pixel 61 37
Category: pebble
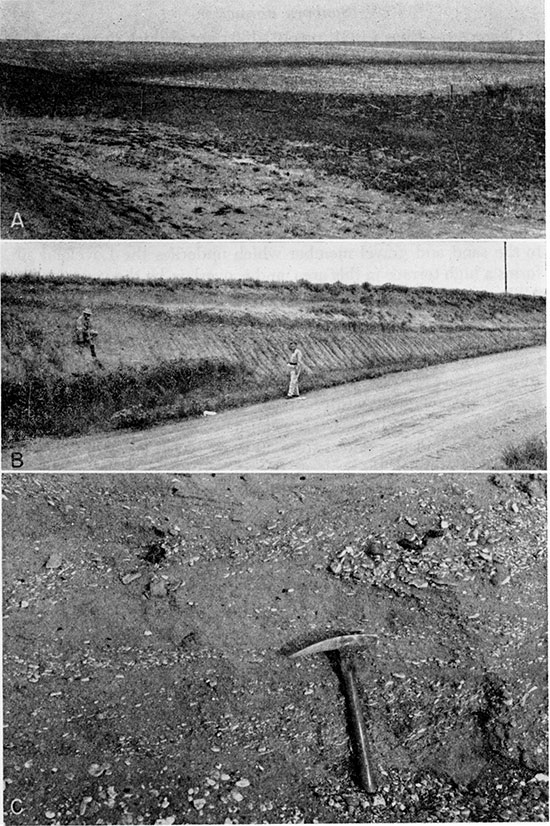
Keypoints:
pixel 84 805
pixel 97 770
pixel 55 560
pixel 379 800
pixel 127 578
pixel 199 803
pixel 242 783
pixel 158 588
pixel 237 796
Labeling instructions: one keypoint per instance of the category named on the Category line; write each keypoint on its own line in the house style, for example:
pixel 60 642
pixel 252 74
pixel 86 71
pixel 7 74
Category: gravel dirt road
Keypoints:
pixel 457 416
pixel 147 618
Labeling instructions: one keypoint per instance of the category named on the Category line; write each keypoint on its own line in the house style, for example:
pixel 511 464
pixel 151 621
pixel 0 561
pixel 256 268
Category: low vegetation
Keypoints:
pixel 169 349
pixel 128 397
pixel 527 455
pixel 484 146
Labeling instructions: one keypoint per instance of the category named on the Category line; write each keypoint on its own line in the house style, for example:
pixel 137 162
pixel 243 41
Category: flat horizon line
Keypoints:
pixel 257 42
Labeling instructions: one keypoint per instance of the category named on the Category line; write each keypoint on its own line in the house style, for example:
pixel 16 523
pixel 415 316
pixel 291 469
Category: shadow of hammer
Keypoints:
pixel 342 646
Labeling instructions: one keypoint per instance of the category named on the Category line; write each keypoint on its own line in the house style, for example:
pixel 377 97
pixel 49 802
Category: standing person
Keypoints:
pixel 85 336
pixel 295 366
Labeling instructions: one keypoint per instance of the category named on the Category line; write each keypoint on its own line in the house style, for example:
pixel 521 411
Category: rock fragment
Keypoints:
pixel 130 577
pixel 55 560
pixel 158 588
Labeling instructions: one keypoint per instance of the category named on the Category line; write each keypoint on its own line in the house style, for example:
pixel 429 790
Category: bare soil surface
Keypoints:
pixel 457 416
pixel 147 619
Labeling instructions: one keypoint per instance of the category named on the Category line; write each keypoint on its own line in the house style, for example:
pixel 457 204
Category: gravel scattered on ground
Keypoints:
pixel 146 687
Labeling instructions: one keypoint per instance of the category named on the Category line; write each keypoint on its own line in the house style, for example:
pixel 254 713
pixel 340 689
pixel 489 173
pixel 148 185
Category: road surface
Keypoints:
pixel 457 416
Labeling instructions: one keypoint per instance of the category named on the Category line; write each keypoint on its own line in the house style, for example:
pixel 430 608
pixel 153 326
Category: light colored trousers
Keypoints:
pixel 293 386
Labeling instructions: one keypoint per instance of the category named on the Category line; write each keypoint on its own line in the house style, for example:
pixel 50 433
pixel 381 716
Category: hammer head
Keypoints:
pixel 335 644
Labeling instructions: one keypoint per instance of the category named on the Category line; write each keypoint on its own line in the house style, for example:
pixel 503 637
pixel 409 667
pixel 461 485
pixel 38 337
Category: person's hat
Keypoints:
pixel 86 311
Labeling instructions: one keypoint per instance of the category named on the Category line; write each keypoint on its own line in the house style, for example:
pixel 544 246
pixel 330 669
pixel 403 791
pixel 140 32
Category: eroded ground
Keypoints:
pixel 109 180
pixel 146 620
pixel 153 161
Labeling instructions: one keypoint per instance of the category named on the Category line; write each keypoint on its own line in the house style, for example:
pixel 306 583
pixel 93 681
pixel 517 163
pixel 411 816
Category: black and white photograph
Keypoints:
pixel 274 405
pixel 270 356
pixel 263 119
pixel 274 648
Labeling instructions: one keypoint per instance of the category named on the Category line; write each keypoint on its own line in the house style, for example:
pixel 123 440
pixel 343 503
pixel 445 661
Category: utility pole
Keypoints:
pixel 505 270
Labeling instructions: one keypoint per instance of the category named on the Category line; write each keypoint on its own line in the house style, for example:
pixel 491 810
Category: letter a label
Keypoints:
pixel 17 221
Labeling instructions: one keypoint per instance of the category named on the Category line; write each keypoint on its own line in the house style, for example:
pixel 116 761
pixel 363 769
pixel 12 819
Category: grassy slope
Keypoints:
pixel 485 147
pixel 178 348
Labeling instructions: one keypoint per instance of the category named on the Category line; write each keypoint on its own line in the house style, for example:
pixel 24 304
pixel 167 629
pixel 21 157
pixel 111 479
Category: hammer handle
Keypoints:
pixel 366 768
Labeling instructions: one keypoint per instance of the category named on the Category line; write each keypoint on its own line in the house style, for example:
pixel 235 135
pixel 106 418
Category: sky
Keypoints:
pixel 474 265
pixel 272 20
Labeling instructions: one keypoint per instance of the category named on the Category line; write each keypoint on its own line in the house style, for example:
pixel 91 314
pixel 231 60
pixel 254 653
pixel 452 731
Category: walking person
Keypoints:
pixel 295 367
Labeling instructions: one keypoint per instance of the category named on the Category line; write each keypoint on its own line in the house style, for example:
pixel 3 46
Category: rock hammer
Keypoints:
pixel 342 646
